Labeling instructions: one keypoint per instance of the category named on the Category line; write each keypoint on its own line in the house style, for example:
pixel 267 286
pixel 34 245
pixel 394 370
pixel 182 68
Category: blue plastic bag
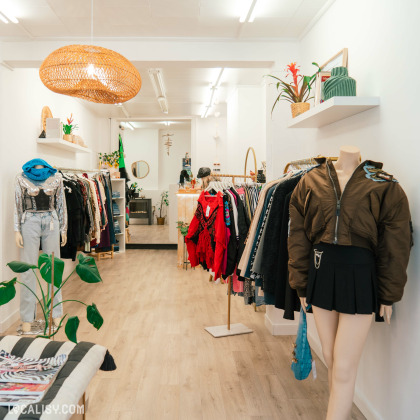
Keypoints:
pixel 302 357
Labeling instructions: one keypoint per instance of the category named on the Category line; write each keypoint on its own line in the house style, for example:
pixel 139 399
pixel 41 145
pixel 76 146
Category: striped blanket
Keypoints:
pixel 61 399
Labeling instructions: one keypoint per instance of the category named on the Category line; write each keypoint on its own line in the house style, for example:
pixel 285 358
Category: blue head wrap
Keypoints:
pixel 38 174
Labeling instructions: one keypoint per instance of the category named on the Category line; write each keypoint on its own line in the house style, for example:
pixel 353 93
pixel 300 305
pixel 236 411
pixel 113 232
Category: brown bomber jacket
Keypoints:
pixel 372 213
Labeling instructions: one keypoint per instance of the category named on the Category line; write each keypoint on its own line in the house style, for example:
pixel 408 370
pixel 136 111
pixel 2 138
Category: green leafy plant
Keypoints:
pixel 164 201
pixel 183 227
pixel 291 92
pixel 86 269
pixel 110 159
pixel 69 127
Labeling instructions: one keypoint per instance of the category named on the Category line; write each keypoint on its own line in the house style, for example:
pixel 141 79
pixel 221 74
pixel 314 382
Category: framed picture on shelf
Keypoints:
pixel 338 60
pixel 321 77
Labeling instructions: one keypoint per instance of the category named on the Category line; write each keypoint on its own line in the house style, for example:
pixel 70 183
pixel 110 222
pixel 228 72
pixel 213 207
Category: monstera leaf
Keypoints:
pixel 71 328
pixel 20 267
pixel 7 291
pixel 87 270
pixel 94 317
pixel 45 264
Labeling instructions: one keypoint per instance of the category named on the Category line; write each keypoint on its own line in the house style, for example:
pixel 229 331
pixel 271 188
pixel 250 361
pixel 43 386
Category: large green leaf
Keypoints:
pixel 7 291
pixel 20 267
pixel 71 328
pixel 94 317
pixel 87 270
pixel 45 264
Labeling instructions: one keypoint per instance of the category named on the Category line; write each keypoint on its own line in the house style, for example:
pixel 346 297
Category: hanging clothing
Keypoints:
pixel 206 238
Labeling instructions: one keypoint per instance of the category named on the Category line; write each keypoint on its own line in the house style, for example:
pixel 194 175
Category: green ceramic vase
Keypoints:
pixel 339 84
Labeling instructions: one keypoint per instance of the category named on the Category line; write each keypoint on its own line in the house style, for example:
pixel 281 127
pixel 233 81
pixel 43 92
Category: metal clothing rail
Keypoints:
pixel 307 161
pixel 215 174
pixel 78 170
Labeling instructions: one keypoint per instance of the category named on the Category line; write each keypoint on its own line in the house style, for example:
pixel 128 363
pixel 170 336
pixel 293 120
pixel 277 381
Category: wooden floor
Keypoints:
pixel 169 367
pixel 149 234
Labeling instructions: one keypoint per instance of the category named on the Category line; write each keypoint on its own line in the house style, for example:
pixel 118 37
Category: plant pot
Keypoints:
pixel 136 195
pixel 299 108
pixel 68 137
pixel 160 221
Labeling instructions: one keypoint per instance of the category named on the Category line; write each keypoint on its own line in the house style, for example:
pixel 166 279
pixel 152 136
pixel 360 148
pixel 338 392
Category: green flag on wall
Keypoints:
pixel 121 161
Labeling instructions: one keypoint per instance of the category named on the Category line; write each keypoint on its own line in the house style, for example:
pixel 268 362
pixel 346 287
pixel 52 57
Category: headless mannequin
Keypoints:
pixel 343 335
pixel 26 326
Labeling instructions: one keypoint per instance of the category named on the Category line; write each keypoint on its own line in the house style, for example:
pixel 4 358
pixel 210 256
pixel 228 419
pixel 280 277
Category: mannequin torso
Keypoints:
pixel 348 161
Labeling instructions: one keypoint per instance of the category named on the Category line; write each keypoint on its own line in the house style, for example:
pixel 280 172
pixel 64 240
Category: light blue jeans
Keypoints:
pixel 38 228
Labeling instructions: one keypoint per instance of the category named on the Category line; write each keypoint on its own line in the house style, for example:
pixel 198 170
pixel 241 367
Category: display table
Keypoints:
pixel 141 208
pixel 84 360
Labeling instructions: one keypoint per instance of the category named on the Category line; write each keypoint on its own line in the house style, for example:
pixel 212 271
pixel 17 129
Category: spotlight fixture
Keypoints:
pixel 248 15
pixel 156 79
pixel 213 91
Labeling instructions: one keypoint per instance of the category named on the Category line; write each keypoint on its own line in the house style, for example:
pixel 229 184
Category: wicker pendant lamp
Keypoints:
pixel 92 73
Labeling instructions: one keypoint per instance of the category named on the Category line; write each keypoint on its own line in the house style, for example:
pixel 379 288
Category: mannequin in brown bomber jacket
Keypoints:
pixel 372 213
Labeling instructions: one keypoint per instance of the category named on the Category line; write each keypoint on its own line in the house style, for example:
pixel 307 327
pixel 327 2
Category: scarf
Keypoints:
pixel 40 174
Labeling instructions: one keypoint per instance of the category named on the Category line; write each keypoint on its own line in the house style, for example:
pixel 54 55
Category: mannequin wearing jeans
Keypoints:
pixel 343 335
pixel 40 217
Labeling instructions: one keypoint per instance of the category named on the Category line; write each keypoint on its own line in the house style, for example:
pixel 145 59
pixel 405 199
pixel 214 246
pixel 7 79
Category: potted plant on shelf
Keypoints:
pixel 87 271
pixel 164 202
pixel 297 93
pixel 69 128
pixel 134 190
pixel 110 161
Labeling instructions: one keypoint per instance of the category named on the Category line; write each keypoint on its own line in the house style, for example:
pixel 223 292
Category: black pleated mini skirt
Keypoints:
pixel 343 279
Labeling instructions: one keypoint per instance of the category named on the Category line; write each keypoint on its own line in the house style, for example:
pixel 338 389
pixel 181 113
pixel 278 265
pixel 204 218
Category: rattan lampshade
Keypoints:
pixel 92 73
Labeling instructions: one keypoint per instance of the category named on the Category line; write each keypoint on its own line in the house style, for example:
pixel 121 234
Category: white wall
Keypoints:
pixel 246 127
pixel 143 144
pixel 22 96
pixel 384 59
pixel 170 165
pixel 205 149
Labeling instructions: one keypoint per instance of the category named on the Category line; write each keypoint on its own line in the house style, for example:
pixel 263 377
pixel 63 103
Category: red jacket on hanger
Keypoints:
pixel 206 238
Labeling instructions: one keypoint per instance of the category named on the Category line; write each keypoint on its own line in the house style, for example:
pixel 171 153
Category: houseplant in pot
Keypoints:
pixel 164 202
pixel 109 161
pixel 296 92
pixel 68 129
pixel 85 269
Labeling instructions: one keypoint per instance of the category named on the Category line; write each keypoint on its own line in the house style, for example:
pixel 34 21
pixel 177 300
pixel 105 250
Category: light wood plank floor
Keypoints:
pixel 149 234
pixel 169 367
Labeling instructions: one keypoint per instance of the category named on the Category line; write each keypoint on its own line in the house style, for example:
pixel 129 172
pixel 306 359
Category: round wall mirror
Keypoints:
pixel 140 169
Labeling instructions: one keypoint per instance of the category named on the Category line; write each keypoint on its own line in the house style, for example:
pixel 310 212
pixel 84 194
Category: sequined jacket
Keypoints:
pixel 37 196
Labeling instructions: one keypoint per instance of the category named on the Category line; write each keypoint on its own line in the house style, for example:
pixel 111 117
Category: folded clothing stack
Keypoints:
pixel 116 194
pixel 115 209
pixel 117 227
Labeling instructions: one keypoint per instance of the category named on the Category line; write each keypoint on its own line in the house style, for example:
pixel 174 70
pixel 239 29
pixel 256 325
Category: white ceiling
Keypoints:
pixel 158 18
pixel 187 89
pixel 187 82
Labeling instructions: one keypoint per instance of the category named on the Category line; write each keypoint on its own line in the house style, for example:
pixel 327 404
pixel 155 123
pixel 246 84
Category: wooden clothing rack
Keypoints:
pixel 215 174
pixel 307 161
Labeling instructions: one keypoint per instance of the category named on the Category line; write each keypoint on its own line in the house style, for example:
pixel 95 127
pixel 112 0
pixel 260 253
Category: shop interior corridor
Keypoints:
pixel 169 367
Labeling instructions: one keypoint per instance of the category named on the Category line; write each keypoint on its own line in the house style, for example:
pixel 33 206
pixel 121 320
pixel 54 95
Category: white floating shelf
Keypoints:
pixel 63 145
pixel 335 109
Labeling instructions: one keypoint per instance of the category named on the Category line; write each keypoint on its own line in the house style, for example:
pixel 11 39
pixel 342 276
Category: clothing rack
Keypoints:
pixel 215 174
pixel 78 170
pixel 307 161
pixel 228 329
pixel 96 254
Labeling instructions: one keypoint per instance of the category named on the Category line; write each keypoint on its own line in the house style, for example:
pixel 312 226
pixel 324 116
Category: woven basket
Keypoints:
pixel 92 73
pixel 299 108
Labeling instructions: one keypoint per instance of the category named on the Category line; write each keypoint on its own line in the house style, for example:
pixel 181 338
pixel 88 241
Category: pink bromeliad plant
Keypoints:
pixel 296 91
